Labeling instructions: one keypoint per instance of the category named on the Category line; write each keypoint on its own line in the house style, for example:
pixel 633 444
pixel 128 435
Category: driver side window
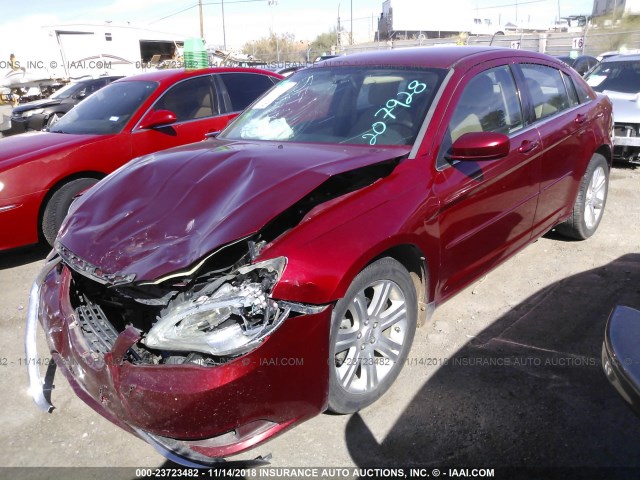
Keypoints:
pixel 488 103
pixel 189 100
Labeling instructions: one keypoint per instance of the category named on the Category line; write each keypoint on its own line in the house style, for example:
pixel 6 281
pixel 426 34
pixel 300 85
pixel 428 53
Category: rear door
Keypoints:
pixel 239 89
pixel 487 207
pixel 553 107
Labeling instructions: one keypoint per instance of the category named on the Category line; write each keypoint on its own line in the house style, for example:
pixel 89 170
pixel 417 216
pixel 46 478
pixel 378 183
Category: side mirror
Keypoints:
pixel 158 118
pixel 477 146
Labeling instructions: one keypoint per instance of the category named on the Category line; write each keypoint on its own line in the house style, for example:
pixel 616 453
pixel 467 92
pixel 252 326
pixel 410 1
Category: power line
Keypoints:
pixel 516 4
pixel 204 3
pixel 174 14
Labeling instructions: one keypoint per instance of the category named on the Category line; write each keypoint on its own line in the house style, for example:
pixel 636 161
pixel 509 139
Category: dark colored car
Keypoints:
pixel 41 172
pixel 619 78
pixel 43 113
pixel 621 354
pixel 209 297
pixel 581 64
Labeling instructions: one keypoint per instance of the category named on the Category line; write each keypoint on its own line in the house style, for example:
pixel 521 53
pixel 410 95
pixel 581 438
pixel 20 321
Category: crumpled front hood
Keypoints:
pixel 163 212
pixel 626 106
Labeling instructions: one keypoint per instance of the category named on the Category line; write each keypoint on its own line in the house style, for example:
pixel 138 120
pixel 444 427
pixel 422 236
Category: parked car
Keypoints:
pixel 621 355
pixel 581 64
pixel 209 297
pixel 43 113
pixel 619 78
pixel 286 71
pixel 613 53
pixel 41 172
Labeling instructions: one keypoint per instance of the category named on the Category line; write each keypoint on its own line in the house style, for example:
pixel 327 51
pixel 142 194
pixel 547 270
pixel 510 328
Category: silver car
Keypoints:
pixel 619 78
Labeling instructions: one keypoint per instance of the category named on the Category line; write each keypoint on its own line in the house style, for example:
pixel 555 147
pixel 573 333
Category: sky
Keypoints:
pixel 246 20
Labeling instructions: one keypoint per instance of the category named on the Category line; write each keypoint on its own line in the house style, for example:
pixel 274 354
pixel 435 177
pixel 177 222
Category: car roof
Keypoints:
pixel 93 79
pixel 436 57
pixel 624 57
pixel 175 74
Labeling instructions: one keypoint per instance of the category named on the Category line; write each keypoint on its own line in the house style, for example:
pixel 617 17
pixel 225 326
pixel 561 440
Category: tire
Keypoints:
pixel 366 352
pixel 53 119
pixel 590 202
pixel 58 206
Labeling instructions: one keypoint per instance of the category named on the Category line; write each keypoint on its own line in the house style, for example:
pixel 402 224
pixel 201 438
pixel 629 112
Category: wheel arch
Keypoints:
pixel 606 152
pixel 415 261
pixel 59 184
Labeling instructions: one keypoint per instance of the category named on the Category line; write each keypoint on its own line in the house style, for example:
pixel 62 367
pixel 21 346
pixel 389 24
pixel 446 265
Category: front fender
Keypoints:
pixel 335 242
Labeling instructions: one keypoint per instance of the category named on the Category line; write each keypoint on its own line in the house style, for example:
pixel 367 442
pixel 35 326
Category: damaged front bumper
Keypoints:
pixel 626 142
pixel 190 413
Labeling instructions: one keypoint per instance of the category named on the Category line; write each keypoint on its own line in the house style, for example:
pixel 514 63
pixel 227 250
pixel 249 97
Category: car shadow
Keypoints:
pixel 221 469
pixel 528 391
pixel 23 255
pixel 622 165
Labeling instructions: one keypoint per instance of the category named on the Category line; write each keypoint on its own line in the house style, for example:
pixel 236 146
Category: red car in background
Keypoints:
pixel 211 296
pixel 41 173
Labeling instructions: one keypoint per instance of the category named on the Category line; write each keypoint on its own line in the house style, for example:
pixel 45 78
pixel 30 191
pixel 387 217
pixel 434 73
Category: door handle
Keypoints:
pixel 527 146
pixel 580 119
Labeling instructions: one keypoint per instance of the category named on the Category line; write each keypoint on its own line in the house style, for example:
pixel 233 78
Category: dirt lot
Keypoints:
pixel 507 374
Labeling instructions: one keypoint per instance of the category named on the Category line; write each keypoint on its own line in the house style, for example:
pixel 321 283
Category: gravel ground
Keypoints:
pixel 506 375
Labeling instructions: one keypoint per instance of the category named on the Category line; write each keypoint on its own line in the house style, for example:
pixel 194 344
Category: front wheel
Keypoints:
pixel 371 334
pixel 589 206
pixel 53 119
pixel 58 206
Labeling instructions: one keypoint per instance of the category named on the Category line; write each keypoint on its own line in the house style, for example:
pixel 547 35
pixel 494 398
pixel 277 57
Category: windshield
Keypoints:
pixel 617 76
pixel 66 91
pixel 360 105
pixel 107 111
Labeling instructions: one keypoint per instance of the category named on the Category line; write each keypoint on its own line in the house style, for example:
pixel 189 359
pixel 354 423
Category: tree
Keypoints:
pixel 323 44
pixel 276 48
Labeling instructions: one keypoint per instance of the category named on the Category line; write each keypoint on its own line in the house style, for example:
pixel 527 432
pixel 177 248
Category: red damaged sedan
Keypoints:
pixel 322 226
pixel 41 173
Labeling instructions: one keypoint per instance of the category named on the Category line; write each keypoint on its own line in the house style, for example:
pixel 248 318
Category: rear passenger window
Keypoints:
pixel 244 88
pixel 546 90
pixel 571 90
pixel 583 92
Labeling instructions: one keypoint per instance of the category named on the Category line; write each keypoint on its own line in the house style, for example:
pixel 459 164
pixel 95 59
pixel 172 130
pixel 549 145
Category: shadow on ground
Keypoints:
pixel 23 255
pixel 529 391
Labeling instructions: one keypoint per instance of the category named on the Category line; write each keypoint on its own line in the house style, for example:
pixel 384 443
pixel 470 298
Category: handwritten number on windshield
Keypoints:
pixel 378 128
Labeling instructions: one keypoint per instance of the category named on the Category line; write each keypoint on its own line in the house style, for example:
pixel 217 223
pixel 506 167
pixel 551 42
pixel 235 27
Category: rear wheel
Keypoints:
pixel 590 202
pixel 371 334
pixel 58 206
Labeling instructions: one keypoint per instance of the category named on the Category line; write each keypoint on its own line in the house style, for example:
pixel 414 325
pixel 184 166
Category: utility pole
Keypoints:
pixel 201 24
pixel 351 36
pixel 224 32
pixel 272 3
pixel 338 30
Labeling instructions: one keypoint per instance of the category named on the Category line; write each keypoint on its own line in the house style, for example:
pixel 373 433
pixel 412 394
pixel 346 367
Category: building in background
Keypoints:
pixel 616 8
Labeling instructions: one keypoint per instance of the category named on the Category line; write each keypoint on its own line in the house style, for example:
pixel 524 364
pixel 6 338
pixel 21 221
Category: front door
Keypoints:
pixel 486 207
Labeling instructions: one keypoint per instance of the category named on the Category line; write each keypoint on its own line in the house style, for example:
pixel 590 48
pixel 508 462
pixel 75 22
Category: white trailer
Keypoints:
pixel 408 18
pixel 68 52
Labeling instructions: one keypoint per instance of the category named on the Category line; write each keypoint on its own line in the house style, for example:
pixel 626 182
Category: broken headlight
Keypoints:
pixel 230 316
